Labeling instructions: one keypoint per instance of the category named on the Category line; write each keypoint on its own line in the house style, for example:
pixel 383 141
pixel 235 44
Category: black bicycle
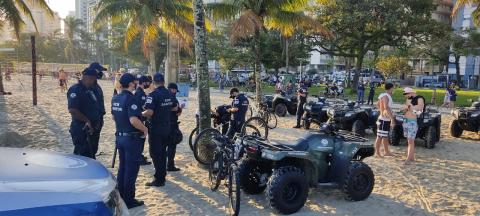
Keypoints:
pixel 263 112
pixel 204 145
pixel 225 166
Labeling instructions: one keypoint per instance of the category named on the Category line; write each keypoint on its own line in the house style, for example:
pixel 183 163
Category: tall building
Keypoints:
pixel 45 24
pixel 469 65
pixel 85 10
pixel 443 11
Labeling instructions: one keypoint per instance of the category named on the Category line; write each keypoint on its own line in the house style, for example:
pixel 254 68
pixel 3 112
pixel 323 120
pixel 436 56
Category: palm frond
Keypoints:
pixel 131 32
pixel 116 12
pixel 26 11
pixel 222 10
pixel 43 5
pixel 246 26
pixel 461 3
pixel 476 16
pixel 12 15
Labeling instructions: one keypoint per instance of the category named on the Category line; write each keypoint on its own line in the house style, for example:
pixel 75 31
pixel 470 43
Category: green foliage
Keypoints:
pixel 393 66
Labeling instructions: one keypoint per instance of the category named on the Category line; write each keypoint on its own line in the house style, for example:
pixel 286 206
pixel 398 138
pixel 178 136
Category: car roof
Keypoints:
pixel 18 164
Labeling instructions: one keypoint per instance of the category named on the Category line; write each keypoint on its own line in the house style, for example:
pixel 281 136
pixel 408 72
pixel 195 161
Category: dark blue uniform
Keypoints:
pixel 301 101
pixel 172 146
pixel 161 102
pixel 238 118
pixel 140 99
pixel 84 100
pixel 129 142
pixel 95 137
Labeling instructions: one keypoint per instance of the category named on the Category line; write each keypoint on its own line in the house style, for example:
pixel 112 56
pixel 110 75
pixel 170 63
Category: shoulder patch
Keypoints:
pixel 149 100
pixel 134 107
pixel 73 95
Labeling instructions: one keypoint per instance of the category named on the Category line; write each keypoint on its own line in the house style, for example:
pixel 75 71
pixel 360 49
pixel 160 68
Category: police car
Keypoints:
pixel 35 182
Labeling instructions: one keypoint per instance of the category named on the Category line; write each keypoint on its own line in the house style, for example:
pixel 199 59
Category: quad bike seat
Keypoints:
pixel 297 145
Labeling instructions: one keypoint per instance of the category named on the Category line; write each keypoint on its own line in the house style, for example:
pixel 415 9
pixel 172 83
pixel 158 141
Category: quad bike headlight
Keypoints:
pixel 349 114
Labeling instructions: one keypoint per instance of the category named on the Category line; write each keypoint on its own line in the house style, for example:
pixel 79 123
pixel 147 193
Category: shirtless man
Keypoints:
pixel 385 120
pixel 413 109
pixel 62 80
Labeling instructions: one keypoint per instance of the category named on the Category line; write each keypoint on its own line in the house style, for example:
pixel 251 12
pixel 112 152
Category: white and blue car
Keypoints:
pixel 35 182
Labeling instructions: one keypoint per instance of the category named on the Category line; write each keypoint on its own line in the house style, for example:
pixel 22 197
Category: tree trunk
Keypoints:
pixel 457 69
pixel 256 72
pixel 286 55
pixel 347 68
pixel 1 81
pixel 358 68
pixel 201 65
pixel 152 65
pixel 171 65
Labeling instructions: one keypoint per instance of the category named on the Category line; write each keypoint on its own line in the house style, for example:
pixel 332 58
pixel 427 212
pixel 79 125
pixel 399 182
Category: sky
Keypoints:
pixel 62 6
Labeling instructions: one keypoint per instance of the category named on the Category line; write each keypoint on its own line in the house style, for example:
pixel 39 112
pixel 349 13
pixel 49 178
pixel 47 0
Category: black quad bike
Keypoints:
pixel 286 171
pixel 315 113
pixel 281 103
pixel 429 123
pixel 465 119
pixel 353 118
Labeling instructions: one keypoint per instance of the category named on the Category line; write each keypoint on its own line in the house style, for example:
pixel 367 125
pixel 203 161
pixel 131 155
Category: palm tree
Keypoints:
pixel 11 12
pixel 251 17
pixel 201 65
pixel 475 13
pixel 72 28
pixel 147 18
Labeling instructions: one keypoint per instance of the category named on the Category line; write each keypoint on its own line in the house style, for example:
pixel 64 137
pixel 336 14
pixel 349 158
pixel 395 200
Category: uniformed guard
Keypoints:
pixel 95 138
pixel 172 145
pixel 158 106
pixel 238 111
pixel 130 136
pixel 140 98
pixel 84 106
pixel 302 99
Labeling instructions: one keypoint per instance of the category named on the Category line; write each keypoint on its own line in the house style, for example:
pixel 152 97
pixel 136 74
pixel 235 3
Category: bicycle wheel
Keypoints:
pixel 234 189
pixel 192 137
pixel 271 119
pixel 216 170
pixel 204 147
pixel 255 126
pixel 250 113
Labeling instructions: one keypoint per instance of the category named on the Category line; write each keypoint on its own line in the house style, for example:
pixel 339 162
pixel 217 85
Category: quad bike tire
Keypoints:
pixel 431 137
pixel 251 173
pixel 455 129
pixel 358 128
pixel 281 109
pixel 292 110
pixel 396 133
pixel 287 190
pixel 359 181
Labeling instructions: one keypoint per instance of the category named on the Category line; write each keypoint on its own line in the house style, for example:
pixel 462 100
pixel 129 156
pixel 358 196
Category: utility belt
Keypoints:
pixel 131 134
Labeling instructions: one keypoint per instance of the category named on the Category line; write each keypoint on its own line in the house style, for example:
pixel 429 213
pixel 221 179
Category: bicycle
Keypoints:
pixel 220 120
pixel 263 112
pixel 225 166
pixel 204 145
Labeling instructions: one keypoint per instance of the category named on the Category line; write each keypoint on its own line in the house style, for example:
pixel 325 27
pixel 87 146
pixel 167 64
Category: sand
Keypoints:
pixel 444 181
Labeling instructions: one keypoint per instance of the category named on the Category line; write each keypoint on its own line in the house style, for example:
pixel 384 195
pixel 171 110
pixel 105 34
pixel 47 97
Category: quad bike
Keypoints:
pixel 315 113
pixel 429 124
pixel 353 118
pixel 465 119
pixel 286 171
pixel 282 103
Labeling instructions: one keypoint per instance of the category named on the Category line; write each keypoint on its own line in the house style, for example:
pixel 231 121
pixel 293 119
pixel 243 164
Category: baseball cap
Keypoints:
pixel 90 72
pixel 143 79
pixel 173 86
pixel 158 77
pixel 127 78
pixel 97 66
pixel 408 90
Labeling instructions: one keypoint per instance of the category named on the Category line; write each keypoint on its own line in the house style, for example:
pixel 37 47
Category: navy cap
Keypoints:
pixel 127 78
pixel 173 86
pixel 158 77
pixel 97 66
pixel 143 79
pixel 90 72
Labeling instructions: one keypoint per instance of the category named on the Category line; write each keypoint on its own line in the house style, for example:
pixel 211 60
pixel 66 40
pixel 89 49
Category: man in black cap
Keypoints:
pixel 84 106
pixel 140 99
pixel 95 138
pixel 302 99
pixel 129 138
pixel 238 112
pixel 172 145
pixel 158 108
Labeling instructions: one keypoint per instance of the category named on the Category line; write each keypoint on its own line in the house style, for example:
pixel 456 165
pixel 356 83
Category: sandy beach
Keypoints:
pixel 444 180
